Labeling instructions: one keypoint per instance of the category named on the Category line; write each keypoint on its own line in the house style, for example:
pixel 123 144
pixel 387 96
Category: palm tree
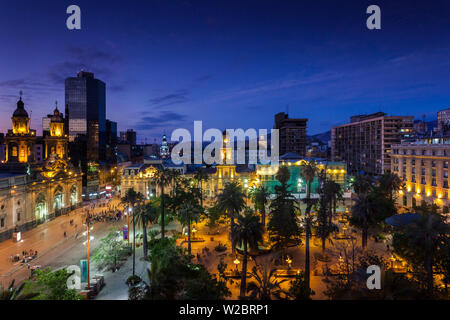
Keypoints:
pixel 333 192
pixel 362 211
pixel 189 213
pixel 149 213
pixel 265 285
pixel 163 178
pixel 247 232
pixel 260 197
pixel 12 293
pixel 133 198
pixel 421 241
pixel 283 225
pixel 308 172
pixel 231 200
pixel 390 183
pixel 201 176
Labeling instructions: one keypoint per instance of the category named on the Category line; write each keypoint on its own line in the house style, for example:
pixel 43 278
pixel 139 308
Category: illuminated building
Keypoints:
pixel 33 192
pixel 164 151
pixel 423 166
pixel 336 171
pixel 20 139
pixel 56 141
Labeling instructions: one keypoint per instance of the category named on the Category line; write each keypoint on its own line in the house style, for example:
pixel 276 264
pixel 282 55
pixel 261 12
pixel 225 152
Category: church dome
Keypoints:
pixel 20 111
pixel 57 116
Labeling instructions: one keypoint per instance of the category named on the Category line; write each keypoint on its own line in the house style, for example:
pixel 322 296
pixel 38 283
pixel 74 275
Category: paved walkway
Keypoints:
pixel 48 239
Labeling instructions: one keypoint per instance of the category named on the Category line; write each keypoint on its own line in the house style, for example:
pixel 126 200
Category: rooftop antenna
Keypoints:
pixel 287 109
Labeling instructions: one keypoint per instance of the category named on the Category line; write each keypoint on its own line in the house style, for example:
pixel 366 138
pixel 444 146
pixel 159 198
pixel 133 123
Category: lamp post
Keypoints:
pixel 289 262
pixel 87 243
pixel 236 262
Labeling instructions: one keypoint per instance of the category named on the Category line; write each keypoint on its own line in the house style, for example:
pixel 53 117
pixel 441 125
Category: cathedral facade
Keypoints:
pixel 34 191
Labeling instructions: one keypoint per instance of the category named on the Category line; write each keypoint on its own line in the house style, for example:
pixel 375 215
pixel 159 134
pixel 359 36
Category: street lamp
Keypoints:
pixel 289 262
pixel 194 231
pixel 87 244
pixel 236 262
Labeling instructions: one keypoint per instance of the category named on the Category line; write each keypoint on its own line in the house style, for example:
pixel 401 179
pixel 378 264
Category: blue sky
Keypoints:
pixel 232 64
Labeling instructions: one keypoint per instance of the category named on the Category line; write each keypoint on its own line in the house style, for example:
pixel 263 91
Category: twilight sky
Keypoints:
pixel 232 64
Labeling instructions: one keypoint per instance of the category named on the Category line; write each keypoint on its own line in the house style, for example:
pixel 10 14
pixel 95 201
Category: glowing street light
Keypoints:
pixel 236 262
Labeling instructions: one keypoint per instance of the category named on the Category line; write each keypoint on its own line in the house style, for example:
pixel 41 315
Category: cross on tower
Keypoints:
pixel 20 93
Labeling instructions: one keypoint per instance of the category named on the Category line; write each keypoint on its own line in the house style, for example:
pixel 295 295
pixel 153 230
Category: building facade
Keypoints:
pixel 365 143
pixel 423 166
pixel 292 134
pixel 86 104
pixel 36 181
pixel 443 121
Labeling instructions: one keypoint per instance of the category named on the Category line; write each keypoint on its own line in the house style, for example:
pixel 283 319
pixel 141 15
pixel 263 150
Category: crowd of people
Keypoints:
pixel 25 257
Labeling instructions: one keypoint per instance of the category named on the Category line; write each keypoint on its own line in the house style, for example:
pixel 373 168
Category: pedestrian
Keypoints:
pixel 65 234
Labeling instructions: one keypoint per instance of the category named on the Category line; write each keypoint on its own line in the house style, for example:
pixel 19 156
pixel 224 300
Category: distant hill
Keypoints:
pixel 430 124
pixel 323 137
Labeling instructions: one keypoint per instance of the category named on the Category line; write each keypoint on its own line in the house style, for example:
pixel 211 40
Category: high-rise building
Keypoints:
pixel 128 136
pixel 443 121
pixel 111 138
pixel 292 134
pixel 365 143
pixel 86 106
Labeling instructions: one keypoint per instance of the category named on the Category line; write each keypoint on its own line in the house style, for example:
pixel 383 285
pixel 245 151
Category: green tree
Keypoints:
pixel 110 251
pixel 324 225
pixel 390 184
pixel 299 290
pixel 332 191
pixel 213 214
pixel 189 213
pixel 264 284
pixel 283 223
pixel 421 242
pixel 133 199
pixel 148 213
pixel 50 285
pixel 172 276
pixel 371 206
pixel 247 232
pixel 260 198
pixel 163 178
pixel 201 176
pixel 231 201
pixel 15 293
pixel 309 171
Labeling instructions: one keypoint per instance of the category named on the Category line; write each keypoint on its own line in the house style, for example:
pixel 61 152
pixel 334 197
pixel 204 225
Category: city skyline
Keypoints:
pixel 166 64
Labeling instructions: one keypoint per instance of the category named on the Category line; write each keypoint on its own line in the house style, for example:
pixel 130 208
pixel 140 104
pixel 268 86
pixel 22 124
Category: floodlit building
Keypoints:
pixel 36 181
pixel 423 165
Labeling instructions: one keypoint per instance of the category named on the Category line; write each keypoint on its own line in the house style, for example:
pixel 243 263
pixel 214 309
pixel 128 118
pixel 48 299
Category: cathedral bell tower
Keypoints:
pixel 56 143
pixel 20 140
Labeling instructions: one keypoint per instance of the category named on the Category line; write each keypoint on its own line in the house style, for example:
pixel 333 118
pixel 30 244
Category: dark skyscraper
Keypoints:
pixel 292 134
pixel 86 102
pixel 128 136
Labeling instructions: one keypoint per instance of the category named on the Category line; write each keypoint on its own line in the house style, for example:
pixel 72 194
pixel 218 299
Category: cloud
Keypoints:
pixel 204 78
pixel 177 97
pixel 166 119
